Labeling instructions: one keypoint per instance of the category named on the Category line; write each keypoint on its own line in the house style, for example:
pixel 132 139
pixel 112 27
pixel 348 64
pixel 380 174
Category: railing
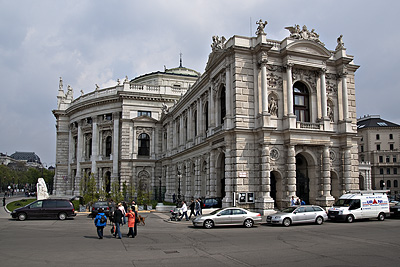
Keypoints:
pixel 308 125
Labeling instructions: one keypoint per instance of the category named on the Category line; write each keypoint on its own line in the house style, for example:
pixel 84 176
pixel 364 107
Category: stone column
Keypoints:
pixel 264 87
pixel 71 148
pixel 153 143
pixel 291 171
pixel 228 199
pixel 345 96
pixel 95 146
pixel 199 118
pixel 323 94
pixel 135 143
pixel 228 97
pixel 289 89
pixel 79 158
pixel 114 175
pixel 326 173
pixel 211 108
pixel 213 176
pixel 347 168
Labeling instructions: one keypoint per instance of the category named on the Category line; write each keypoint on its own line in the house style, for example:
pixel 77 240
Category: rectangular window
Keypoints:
pixel 362 148
pixel 394 170
pixel 387 159
pixel 390 136
pixel 381 171
pixel 378 147
pixel 387 170
pixel 380 159
pixel 391 146
pixel 144 113
pixel 394 159
pixel 377 137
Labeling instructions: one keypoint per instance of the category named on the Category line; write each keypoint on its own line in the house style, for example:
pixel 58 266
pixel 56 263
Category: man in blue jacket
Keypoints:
pixel 100 221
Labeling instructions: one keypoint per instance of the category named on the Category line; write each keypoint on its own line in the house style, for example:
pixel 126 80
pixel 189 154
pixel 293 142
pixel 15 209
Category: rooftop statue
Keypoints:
pixel 340 43
pixel 261 26
pixel 297 33
pixel 218 43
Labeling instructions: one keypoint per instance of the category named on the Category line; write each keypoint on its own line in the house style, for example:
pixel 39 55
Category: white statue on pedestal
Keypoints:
pixel 41 189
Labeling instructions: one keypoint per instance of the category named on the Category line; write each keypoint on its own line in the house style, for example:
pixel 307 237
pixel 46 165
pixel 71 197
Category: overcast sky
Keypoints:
pixel 99 41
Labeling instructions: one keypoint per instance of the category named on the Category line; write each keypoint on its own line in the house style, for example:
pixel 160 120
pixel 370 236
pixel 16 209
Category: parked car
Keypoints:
pixel 215 202
pixel 228 216
pixel 298 214
pixel 45 208
pixel 105 205
pixel 395 210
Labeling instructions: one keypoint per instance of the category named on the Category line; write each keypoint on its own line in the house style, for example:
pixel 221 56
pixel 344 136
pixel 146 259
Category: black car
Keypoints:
pixel 214 202
pixel 105 205
pixel 45 208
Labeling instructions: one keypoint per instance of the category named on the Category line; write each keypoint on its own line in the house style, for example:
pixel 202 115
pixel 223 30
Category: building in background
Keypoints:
pixel 379 147
pixel 266 121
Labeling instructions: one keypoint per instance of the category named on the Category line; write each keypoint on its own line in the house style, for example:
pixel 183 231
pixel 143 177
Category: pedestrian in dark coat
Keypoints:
pixel 136 221
pixel 100 223
pixel 118 221
pixel 191 206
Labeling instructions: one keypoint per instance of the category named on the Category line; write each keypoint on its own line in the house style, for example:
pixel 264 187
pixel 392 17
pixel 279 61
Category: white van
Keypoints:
pixel 360 204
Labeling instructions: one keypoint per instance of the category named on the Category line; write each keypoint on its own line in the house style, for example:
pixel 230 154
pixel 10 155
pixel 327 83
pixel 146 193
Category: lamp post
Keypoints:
pixel 179 186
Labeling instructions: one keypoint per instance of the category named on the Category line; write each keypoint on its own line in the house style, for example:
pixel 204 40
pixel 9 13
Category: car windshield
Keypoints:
pixel 343 203
pixel 215 211
pixel 289 209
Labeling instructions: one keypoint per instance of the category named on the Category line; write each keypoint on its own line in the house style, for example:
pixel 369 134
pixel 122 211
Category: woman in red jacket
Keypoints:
pixel 131 222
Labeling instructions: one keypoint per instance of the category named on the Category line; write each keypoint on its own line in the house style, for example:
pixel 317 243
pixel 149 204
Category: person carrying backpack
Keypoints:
pixel 100 221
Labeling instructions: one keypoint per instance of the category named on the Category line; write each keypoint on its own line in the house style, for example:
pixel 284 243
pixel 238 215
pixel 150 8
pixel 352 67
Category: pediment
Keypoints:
pixel 144 118
pixel 309 48
pixel 213 58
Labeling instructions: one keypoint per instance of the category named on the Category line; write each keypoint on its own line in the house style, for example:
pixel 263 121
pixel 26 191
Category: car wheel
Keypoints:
pixel 62 216
pixel 319 220
pixel 287 222
pixel 349 218
pixel 248 223
pixel 381 217
pixel 22 216
pixel 208 224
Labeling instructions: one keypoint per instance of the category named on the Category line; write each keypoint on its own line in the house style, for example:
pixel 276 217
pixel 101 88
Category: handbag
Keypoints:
pixel 112 229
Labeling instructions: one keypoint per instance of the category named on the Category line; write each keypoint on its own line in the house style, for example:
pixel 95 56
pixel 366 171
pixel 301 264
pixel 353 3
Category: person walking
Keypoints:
pixel 191 207
pixel 134 205
pixel 197 208
pixel 118 221
pixel 100 221
pixel 131 222
pixel 184 210
pixel 293 201
pixel 122 208
pixel 4 200
pixel 201 206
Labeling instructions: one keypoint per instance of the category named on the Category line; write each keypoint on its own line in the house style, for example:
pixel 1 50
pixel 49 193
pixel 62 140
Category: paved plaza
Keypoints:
pixel 74 242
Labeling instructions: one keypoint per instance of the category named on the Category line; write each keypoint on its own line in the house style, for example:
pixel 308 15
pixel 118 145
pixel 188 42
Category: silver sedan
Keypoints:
pixel 228 216
pixel 299 214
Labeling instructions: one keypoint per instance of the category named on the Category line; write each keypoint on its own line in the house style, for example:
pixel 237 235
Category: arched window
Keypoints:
pixel 222 104
pixel 206 116
pixel 144 145
pixel 301 102
pixel 195 122
pixel 395 183
pixel 388 183
pixel 108 146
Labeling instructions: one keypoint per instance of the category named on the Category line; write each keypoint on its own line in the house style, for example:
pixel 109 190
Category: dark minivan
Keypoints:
pixel 45 208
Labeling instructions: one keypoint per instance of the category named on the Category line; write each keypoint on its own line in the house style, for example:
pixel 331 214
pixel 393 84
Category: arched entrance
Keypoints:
pixel 302 179
pixel 273 187
pixel 107 181
pixel 220 169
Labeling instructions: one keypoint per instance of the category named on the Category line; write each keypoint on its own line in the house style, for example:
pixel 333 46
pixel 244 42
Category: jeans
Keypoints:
pixel 186 217
pixel 100 231
pixel 118 230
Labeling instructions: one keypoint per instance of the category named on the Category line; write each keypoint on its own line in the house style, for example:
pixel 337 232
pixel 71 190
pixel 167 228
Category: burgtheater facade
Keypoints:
pixel 266 121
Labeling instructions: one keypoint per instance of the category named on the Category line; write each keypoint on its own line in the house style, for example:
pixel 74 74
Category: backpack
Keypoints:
pixel 103 219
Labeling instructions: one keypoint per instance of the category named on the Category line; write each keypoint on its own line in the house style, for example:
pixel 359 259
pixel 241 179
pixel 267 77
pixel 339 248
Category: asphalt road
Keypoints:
pixel 74 243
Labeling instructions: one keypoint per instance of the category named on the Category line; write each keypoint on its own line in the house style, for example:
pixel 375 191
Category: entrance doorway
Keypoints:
pixel 221 176
pixel 302 180
pixel 273 187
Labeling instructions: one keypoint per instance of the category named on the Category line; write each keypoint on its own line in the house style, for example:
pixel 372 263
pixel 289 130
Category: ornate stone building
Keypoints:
pixel 267 120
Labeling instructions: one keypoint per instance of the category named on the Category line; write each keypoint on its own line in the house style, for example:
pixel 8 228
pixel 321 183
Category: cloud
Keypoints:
pixel 97 42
